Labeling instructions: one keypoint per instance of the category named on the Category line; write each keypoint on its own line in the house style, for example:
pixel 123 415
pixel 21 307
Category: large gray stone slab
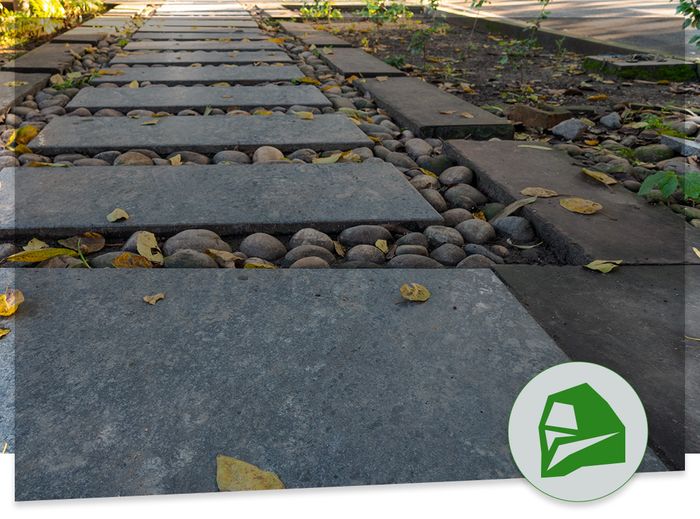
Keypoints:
pixel 429 112
pixel 323 377
pixel 90 35
pixel 174 99
pixel 692 359
pixel 109 21
pixel 653 68
pixel 243 75
pixel 686 147
pixel 7 371
pixel 202 45
pixel 230 199
pixel 202 134
pixel 628 228
pixel 197 22
pixel 185 57
pixel 311 36
pixel 14 86
pixel 351 61
pixel 199 36
pixel 50 57
pixel 194 29
pixel 630 321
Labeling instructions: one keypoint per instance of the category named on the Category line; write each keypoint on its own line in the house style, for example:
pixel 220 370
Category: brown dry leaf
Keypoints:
pixel 598 97
pixel 152 122
pixel 539 192
pixel 3 332
pixel 88 242
pixel 414 292
pixel 10 301
pixel 603 266
pixel 599 176
pixel 151 300
pixel 307 116
pixel 35 244
pixel 133 84
pixel 35 256
pixel 129 260
pixel 467 115
pixel 331 159
pixel 176 160
pixel 448 112
pixel 37 164
pixel 340 249
pixel 351 79
pixel 147 246
pixel 580 205
pixel 511 208
pixel 117 215
pixel 381 78
pixel 479 215
pixel 278 41
pixel 233 474
pixel 226 259
pixel 382 245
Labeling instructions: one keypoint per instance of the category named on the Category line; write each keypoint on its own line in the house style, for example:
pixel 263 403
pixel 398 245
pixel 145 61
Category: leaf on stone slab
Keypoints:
pixel 534 147
pixel 147 246
pixel 603 266
pixel 448 112
pixel 511 208
pixel 414 292
pixel 10 301
pixel 117 215
pixel 580 205
pixel 599 176
pixel 331 159
pixel 14 84
pixel 382 78
pixel 233 474
pixel 278 41
pixel 35 244
pixel 152 122
pixel 87 242
pixel 467 115
pixel 382 245
pixel 129 260
pixel 207 111
pixel 539 192
pixel 176 160
pixel 133 84
pixel 35 256
pixel 307 116
pixel 3 332
pixel 152 300
pixel 696 251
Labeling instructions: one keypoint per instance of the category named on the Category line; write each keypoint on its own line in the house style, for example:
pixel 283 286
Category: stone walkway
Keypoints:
pixel 201 119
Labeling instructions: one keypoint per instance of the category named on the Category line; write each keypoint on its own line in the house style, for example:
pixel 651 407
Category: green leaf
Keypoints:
pixel 663 180
pixel 691 185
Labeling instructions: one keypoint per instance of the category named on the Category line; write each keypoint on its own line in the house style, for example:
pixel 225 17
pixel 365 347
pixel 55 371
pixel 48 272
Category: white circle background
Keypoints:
pixel 586 483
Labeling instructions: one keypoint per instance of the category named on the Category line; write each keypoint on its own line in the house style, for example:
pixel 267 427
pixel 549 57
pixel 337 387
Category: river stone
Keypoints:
pixel 8 162
pixel 309 236
pixel 654 153
pixel 264 246
pixel 267 154
pixel 437 164
pixel 189 259
pixel 411 249
pixel 90 162
pixel 311 262
pixel 190 156
pixel 7 249
pixel 61 262
pixel 516 228
pixel 435 199
pixel 306 251
pixel 456 175
pixel 475 261
pixel 612 121
pixel 448 254
pixel 231 156
pixel 456 216
pixel 130 244
pixel 417 147
pixel 425 182
pixel 569 130
pixel 413 261
pixel 195 239
pixel 400 160
pixel 133 158
pixel 108 156
pixel 462 193
pixel 104 260
pixel 439 234
pixel 413 238
pixel 476 231
pixel 368 253
pixel 363 235
pixel 472 249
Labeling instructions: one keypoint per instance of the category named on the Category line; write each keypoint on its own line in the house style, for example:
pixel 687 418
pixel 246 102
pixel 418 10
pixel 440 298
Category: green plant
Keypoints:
pixel 690 9
pixel 380 12
pixel 668 182
pixel 319 9
pixel 654 122
pixel 397 61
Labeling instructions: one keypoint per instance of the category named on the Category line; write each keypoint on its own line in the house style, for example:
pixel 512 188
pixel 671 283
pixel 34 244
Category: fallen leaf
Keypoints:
pixel 447 112
pixel 134 84
pixel 599 176
pixel 307 81
pixel 511 208
pixel 151 300
pixel 428 172
pixel 603 266
pixel 35 244
pixel 3 332
pixel 534 147
pixel 340 249
pixel 10 301
pixel 176 160
pixel 580 205
pixel 13 84
pixel 331 159
pixel 226 259
pixel 147 246
pixel 35 256
pixel 539 192
pixel 21 149
pixel 129 260
pixel 233 474
pixel 207 111
pixel 591 142
pixel 696 251
pixel 88 242
pixel 263 112
pixel 152 122
pixel 117 215
pixel 467 115
pixel 258 263
pixel 307 116
pixel 110 72
pixel 598 97
pixel 382 245
pixel 37 164
pixel 23 135
pixel 278 41
pixel 414 292
pixel 382 78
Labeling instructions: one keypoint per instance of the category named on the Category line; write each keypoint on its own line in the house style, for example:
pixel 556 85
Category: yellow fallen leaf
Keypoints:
pixel 580 205
pixel 599 176
pixel 226 259
pixel 21 149
pixel 134 84
pixel 308 81
pixel 88 242
pixel 110 72
pixel 598 97
pixel 10 301
pixel 129 260
pixel 152 122
pixel 147 246
pixel 696 251
pixel 382 78
pixel 151 300
pixel 467 115
pixel 176 160
pixel 3 332
pixel 540 192
pixel 35 244
pixel 414 292
pixel 350 80
pixel 278 41
pixel 13 84
pixel 603 266
pixel 233 474
pixel 258 263
pixel 38 164
pixel 340 249
pixel 331 159
pixel 382 245
pixel 307 116
pixel 428 172
pixel 117 215
pixel 35 256
pixel 23 135
pixel 262 111
pixel 591 142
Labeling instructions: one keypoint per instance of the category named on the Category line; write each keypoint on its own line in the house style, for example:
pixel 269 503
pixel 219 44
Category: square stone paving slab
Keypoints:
pixel 202 134
pixel 243 75
pixel 230 199
pixel 109 21
pixel 692 359
pixel 186 30
pixel 174 99
pixel 429 112
pixel 351 61
pixel 630 321
pixel 653 68
pixel 7 371
pixel 628 228
pixel 200 22
pixel 186 36
pixel 91 35
pixel 50 57
pixel 202 45
pixel 15 85
pixel 311 36
pixel 185 57
pixel 323 377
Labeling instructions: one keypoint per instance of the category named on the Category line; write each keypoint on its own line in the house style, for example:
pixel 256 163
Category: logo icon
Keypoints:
pixel 578 431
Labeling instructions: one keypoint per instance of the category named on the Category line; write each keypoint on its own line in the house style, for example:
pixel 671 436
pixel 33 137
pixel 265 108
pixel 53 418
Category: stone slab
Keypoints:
pixel 91 35
pixel 653 69
pixel 50 57
pixel 26 84
pixel 201 134
pixel 311 36
pixel 628 228
pixel 686 147
pixel 201 56
pixel 230 199
pixel 109 21
pixel 201 45
pixel 194 29
pixel 7 372
pixel 630 321
pixel 185 36
pixel 417 105
pixel 196 22
pixel 692 359
pixel 346 386
pixel 174 99
pixel 351 61
pixel 243 75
